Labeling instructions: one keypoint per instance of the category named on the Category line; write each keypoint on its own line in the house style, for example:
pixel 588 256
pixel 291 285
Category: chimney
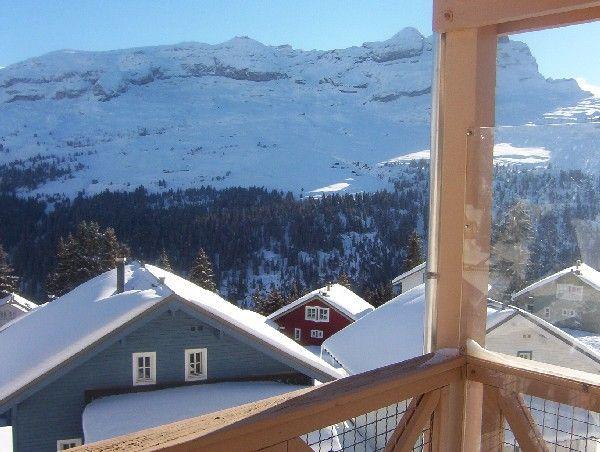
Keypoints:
pixel 161 280
pixel 121 274
pixel 328 287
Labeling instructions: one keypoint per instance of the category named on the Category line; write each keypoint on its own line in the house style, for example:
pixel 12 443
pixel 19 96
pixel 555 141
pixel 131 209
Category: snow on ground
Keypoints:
pixel 332 188
pixel 6 439
pixel 120 414
pixel 507 153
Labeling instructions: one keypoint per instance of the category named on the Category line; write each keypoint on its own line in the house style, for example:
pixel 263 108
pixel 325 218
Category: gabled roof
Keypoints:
pixel 18 301
pixel 584 272
pixel 391 333
pixel 399 278
pixel 337 296
pixel 56 332
pixel 395 332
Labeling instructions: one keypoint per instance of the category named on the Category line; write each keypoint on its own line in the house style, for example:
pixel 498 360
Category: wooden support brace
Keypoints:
pixel 412 423
pixel 520 420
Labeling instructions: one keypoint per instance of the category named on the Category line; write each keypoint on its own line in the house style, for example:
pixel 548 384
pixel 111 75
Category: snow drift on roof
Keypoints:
pixel 337 296
pixel 19 301
pixel 391 333
pixel 248 321
pixel 584 272
pixel 56 331
pixel 399 278
pixel 118 415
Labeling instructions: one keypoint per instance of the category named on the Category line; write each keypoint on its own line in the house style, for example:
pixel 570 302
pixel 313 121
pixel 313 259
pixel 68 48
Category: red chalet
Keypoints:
pixel 319 314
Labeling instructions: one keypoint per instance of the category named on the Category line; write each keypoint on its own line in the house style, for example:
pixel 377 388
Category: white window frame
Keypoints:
pixel 70 443
pixel 316 334
pixel 311 313
pixel 323 315
pixel 188 362
pixel 297 334
pixel 525 354
pixel 134 368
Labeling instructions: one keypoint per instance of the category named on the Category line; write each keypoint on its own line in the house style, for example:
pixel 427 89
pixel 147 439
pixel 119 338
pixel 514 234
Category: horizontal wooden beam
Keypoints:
pixel 559 384
pixel 452 15
pixel 272 421
pixel 578 16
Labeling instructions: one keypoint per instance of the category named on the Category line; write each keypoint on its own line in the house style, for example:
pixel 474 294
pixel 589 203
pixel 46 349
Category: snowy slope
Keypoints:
pixel 240 113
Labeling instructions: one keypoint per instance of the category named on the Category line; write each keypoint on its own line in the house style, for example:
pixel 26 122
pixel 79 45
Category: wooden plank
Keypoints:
pixel 579 16
pixel 412 423
pixel 492 426
pixel 257 425
pixel 452 15
pixel 292 445
pixel 520 420
pixel 549 382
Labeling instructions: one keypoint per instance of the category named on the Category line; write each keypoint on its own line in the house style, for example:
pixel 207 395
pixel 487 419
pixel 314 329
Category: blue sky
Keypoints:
pixel 33 27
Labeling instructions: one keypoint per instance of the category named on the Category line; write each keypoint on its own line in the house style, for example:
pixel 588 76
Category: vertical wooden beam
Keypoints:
pixel 492 429
pixel 459 213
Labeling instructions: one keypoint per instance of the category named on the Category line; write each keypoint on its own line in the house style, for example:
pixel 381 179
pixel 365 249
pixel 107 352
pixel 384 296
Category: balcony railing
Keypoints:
pixel 401 407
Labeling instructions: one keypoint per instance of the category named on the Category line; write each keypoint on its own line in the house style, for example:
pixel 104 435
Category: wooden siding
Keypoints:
pixel 519 334
pixel 296 319
pixel 587 311
pixel 55 411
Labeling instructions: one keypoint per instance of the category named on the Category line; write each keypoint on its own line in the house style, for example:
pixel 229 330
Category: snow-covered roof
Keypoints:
pixel 399 278
pixel 336 296
pixel 395 332
pixel 118 415
pixel 584 272
pixel 592 340
pixel 18 301
pixel 391 333
pixel 55 332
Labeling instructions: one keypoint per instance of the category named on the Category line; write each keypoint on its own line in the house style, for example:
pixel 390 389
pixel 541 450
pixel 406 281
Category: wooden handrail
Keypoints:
pixel 272 421
pixel 559 384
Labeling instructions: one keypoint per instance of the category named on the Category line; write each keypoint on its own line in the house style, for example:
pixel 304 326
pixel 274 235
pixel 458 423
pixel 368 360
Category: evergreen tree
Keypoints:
pixel 344 280
pixel 202 273
pixel 84 255
pixel 273 301
pixel 510 251
pixel 414 256
pixel 164 262
pixel 8 281
pixel 380 294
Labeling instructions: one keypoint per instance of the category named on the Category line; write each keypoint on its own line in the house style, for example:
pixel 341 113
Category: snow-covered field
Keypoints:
pixel 241 113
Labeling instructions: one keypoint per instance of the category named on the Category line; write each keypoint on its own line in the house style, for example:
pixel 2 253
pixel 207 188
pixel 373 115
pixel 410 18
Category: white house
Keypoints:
pixel 410 279
pixel 13 306
pixel 395 332
pixel 569 298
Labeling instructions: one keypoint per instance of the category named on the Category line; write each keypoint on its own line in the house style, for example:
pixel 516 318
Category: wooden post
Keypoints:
pixel 459 219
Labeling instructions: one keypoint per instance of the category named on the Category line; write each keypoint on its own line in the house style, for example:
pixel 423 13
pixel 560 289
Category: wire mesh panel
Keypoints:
pixel 369 432
pixel 563 427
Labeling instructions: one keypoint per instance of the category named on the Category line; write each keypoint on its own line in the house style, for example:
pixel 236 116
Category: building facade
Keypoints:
pixel 14 306
pixel 568 299
pixel 410 279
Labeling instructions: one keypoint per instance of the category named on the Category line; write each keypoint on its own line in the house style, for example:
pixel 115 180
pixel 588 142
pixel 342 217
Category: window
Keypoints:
pixel 144 368
pixel 316 314
pixel 525 354
pixel 64 444
pixel 317 334
pixel 530 307
pixel 527 336
pixel 546 312
pixel 311 313
pixel 323 314
pixel 297 334
pixel 569 292
pixel 195 364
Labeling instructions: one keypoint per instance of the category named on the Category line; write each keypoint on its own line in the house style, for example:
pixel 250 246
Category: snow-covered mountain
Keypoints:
pixel 242 113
